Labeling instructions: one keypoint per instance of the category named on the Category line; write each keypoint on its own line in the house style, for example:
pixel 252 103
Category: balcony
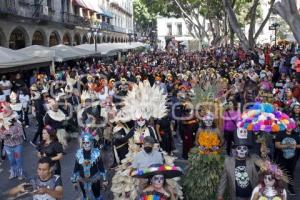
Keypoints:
pixel 8 7
pixel 41 13
pixel 75 20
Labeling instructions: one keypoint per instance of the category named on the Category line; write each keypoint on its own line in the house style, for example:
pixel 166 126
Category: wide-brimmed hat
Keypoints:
pixel 166 171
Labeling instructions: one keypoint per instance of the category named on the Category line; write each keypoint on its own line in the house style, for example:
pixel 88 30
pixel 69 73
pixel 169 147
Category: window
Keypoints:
pixel 169 27
pixel 179 29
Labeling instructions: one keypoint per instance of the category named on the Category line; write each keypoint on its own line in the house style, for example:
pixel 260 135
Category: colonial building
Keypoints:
pixel 71 22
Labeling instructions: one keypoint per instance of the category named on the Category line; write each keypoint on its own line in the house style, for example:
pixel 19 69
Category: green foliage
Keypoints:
pixel 203 175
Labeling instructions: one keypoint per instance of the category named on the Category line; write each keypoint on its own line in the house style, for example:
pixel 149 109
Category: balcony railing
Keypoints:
pixel 41 12
pixel 75 20
pixel 8 7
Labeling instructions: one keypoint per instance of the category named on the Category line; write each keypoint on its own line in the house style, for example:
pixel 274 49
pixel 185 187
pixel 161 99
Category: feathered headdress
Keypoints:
pixel 143 101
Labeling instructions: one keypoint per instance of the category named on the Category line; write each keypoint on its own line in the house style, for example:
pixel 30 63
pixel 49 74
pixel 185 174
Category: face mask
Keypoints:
pixel 141 123
pixel 269 180
pixel 242 151
pixel 148 149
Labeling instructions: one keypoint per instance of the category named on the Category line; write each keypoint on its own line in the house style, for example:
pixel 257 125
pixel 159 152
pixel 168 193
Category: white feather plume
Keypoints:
pixel 143 101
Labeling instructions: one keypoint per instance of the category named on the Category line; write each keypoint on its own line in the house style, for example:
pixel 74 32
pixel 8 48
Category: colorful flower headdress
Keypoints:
pixel 272 168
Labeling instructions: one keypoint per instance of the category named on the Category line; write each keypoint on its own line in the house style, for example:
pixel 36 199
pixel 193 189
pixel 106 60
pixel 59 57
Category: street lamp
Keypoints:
pixel 274 26
pixel 129 35
pixel 95 32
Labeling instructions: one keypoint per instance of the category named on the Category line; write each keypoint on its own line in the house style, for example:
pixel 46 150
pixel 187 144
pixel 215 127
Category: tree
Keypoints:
pixel 287 9
pixel 247 43
pixel 145 20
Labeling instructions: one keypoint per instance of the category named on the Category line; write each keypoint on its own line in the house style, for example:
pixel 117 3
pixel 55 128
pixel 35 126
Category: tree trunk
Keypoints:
pixel 235 25
pixel 287 9
pixel 252 24
pixel 231 36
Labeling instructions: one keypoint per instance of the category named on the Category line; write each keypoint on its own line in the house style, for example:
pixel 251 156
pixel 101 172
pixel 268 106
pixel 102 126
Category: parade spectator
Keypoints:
pixel 287 143
pixel 11 132
pixel 5 86
pixel 51 148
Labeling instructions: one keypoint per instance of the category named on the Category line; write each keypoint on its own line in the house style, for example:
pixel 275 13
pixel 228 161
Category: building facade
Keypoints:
pixel 175 29
pixel 70 22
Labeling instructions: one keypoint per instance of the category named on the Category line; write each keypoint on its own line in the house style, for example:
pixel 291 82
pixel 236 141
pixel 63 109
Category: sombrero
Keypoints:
pixel 167 171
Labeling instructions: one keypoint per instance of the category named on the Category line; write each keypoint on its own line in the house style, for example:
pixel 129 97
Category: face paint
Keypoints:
pixel 141 123
pixel 158 181
pixel 269 180
pixel 242 151
pixel 87 146
pixel 208 120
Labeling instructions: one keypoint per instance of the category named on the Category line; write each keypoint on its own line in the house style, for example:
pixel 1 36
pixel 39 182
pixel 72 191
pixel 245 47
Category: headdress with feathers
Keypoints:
pixel 143 101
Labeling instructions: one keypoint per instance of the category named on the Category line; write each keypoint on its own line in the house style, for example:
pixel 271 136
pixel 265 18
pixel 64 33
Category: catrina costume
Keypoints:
pixel 271 175
pixel 88 169
pixel 167 172
pixel 141 104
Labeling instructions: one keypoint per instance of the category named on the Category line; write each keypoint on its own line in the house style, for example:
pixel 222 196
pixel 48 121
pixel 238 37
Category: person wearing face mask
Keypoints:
pixel 157 187
pixel 271 184
pixel 147 156
pixel 239 174
pixel 89 169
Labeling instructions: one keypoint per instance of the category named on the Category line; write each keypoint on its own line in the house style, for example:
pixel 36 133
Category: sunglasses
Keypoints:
pixel 242 148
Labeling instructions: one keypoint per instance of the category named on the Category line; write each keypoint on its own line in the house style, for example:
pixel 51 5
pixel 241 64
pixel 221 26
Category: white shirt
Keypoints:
pixel 24 99
pixel 6 83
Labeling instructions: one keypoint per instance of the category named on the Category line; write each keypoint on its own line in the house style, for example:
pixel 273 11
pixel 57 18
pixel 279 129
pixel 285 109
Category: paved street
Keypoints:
pixel 30 160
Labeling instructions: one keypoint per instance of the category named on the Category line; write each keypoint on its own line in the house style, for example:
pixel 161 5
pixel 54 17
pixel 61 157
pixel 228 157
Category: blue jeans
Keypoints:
pixel 14 155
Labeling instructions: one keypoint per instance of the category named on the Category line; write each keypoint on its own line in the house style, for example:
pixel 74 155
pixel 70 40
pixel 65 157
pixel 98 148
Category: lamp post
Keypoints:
pixel 274 26
pixel 94 32
pixel 129 35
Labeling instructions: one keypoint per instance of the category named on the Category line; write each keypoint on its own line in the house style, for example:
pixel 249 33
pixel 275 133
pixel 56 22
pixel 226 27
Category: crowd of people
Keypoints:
pixel 140 106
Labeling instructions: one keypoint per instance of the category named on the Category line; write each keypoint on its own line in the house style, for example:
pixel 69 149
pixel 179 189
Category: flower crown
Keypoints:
pixel 274 169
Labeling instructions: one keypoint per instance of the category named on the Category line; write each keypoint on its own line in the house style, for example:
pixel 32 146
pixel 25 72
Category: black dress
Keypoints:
pixel 166 134
pixel 51 150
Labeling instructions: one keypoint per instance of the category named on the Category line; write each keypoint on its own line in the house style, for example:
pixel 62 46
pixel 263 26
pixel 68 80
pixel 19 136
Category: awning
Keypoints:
pixel 107 13
pixel 90 4
pixel 11 59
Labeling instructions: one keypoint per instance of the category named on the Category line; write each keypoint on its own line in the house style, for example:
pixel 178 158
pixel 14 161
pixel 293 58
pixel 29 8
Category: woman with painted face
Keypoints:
pixel 271 183
pixel 288 143
pixel 157 187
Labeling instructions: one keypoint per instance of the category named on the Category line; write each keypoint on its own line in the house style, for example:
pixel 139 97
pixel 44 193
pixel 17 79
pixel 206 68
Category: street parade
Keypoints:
pixel 140 119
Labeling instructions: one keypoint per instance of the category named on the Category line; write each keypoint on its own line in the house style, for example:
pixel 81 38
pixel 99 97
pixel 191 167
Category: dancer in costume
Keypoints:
pixel 157 188
pixel 89 169
pixel 239 174
pixel 141 104
pixel 271 185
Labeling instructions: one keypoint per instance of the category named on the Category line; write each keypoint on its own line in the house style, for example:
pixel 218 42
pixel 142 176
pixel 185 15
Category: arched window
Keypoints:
pixel 17 39
pixel 54 39
pixel 38 38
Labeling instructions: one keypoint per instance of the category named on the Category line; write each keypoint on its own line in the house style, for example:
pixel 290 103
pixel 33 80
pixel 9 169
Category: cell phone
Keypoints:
pixel 29 187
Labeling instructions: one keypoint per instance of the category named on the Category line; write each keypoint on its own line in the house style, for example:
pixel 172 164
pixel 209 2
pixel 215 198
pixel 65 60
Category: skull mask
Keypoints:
pixel 242 151
pixel 87 141
pixel 242 133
